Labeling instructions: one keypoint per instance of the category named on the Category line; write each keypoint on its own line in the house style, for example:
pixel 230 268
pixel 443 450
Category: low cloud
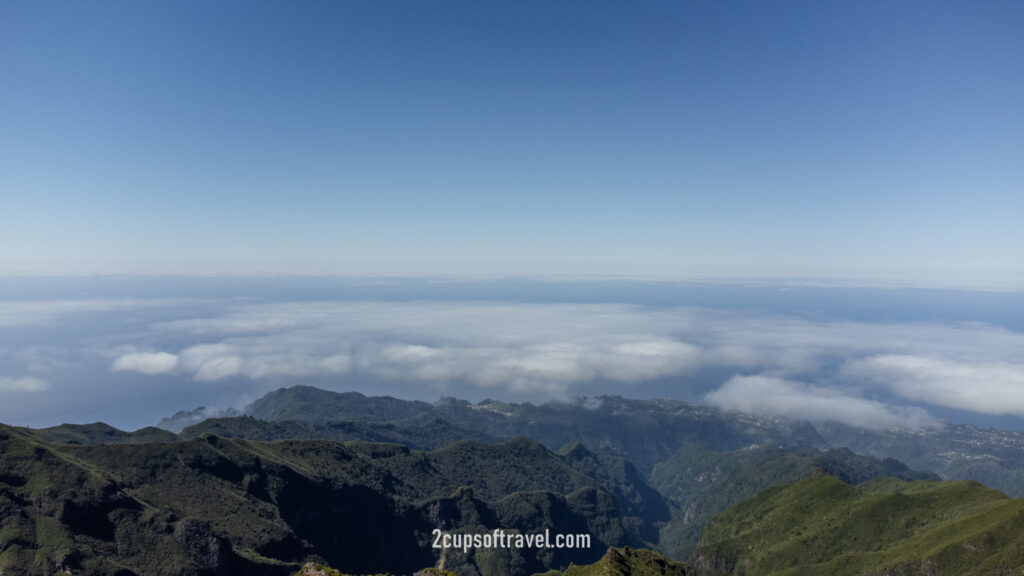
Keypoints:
pixel 209 362
pixel 23 384
pixel 988 387
pixel 522 348
pixel 558 350
pixel 182 419
pixel 526 367
pixel 259 360
pixel 337 363
pixel 777 397
pixel 146 363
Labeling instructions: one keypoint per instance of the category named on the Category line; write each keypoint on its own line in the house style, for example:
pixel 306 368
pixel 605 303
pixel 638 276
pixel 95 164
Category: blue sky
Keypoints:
pixel 789 196
pixel 841 139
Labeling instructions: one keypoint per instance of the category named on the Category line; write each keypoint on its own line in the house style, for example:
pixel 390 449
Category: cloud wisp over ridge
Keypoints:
pixel 777 397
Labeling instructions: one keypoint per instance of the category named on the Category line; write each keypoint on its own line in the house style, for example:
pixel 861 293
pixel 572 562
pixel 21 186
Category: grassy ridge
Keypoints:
pixel 700 482
pixel 100 433
pixel 823 526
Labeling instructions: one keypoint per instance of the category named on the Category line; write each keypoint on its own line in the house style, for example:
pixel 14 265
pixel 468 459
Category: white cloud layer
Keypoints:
pixel 557 349
pixel 219 349
pixel 23 384
pixel 543 365
pixel 520 347
pixel 986 387
pixel 260 358
pixel 146 362
pixel 778 397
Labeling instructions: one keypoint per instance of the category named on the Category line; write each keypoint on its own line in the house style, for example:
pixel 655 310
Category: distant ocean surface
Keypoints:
pixel 785 297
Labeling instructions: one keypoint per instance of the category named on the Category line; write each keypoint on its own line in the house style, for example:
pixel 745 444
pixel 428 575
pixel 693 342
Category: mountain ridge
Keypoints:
pixel 452 463
pixel 211 505
pixel 954 451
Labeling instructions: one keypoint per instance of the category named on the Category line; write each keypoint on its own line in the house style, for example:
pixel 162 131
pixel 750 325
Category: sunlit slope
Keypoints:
pixel 823 526
pixel 699 482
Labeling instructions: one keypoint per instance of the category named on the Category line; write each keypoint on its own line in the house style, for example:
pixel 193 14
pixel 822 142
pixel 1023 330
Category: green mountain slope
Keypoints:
pixel 956 451
pixel 212 505
pixel 640 505
pixel 823 526
pixel 431 435
pixel 648 432
pixel 700 482
pixel 99 433
pixel 316 406
pixel 644 432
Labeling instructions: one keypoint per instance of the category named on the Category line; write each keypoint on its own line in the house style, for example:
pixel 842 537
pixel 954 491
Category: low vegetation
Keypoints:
pixel 823 526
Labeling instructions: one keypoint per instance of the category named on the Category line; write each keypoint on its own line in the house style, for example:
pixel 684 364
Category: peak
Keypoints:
pixel 521 440
pixel 92 426
pixel 575 449
pixel 450 402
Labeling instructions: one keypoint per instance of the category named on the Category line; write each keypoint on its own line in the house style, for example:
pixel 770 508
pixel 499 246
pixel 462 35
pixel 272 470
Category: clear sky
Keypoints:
pixel 673 138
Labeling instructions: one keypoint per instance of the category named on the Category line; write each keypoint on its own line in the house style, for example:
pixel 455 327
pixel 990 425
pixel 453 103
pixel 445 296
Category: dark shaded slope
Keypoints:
pixel 316 406
pixel 642 507
pixel 643 431
pixel 99 433
pixel 212 505
pixel 431 435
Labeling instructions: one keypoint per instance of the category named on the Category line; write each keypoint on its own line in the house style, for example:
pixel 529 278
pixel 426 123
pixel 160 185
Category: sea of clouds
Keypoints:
pixel 871 374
